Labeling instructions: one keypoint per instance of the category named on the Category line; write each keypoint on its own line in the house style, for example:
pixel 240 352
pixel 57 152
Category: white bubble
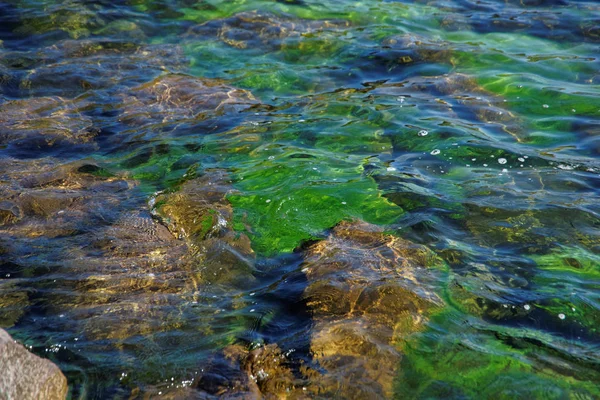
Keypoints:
pixel 521 159
pixel 485 165
pixel 561 316
pixel 527 307
pixel 545 106
pixel 423 133
pixel 391 169
pixel 268 201
pixel 502 160
pixel 435 152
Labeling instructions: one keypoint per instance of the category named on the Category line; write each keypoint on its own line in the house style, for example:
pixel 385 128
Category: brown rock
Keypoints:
pixel 26 376
pixel 368 292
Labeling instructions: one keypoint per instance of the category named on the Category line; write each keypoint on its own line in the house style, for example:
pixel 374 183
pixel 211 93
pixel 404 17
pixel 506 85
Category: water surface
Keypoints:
pixel 466 129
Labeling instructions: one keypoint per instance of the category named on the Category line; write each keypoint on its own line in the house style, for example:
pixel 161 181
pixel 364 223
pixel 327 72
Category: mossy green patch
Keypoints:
pixel 286 203
pixel 491 362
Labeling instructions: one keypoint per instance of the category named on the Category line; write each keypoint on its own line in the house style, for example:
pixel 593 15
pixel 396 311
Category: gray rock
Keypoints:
pixel 26 376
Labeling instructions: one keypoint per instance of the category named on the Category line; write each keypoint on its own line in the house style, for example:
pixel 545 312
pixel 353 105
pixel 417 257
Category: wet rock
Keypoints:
pixel 177 98
pixel 261 30
pixel 41 197
pixel 27 376
pixel 129 273
pixel 45 123
pixel 130 276
pixel 368 292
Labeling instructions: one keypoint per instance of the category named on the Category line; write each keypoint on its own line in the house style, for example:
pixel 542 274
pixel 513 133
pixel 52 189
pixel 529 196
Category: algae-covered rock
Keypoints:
pixel 200 213
pixel 45 123
pixel 173 98
pixel 261 30
pixel 27 376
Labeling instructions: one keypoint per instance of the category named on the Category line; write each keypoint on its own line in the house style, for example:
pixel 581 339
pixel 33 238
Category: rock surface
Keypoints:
pixel 26 376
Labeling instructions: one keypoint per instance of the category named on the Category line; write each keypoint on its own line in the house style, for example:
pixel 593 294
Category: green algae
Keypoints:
pixel 487 364
pixel 568 280
pixel 576 261
pixel 285 204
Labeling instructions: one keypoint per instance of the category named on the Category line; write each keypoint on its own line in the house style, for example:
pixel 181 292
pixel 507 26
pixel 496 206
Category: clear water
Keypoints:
pixel 469 127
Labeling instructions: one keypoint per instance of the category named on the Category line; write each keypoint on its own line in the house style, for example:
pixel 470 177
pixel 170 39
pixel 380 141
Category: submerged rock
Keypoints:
pixel 13 302
pixel 368 292
pixel 261 30
pixel 45 123
pixel 26 376
pixel 200 213
pixel 180 98
pixel 74 67
pixel 129 274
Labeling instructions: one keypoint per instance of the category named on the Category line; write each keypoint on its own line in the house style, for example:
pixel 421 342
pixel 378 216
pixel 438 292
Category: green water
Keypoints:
pixel 471 128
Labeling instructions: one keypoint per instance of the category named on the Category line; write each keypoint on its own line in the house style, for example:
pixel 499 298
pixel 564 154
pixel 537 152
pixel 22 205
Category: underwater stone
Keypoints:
pixel 70 68
pixel 45 122
pixel 26 376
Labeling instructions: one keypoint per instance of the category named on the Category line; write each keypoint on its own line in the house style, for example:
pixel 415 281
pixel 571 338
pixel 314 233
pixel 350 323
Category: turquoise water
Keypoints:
pixel 470 128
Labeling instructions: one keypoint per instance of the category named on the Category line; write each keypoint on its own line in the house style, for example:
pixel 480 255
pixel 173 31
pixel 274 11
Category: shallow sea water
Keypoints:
pixel 177 177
